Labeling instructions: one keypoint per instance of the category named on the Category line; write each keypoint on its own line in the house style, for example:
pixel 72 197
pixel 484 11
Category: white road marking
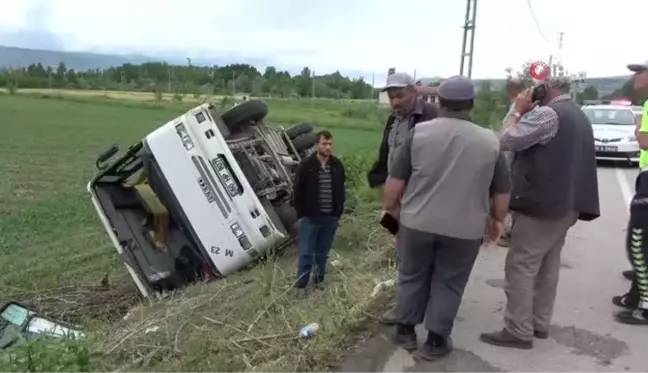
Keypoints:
pixel 626 190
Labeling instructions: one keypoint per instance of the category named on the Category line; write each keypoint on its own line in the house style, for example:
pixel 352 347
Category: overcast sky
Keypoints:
pixel 365 35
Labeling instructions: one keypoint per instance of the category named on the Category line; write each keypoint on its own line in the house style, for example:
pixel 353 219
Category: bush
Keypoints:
pixel 356 166
pixel 157 94
pixel 177 97
pixel 359 111
pixel 47 356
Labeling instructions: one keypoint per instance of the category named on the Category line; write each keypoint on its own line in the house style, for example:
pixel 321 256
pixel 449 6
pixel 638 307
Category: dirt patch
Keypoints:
pixel 458 361
pixel 499 283
pixel 585 342
pixel 78 304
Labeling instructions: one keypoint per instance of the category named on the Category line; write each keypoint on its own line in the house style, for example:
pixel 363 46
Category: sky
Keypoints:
pixel 368 36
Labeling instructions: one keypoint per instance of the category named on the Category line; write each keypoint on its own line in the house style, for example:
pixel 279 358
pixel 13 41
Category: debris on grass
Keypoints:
pixel 77 304
pixel 251 321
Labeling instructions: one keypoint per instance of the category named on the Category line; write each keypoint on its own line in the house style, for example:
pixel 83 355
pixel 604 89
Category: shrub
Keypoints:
pixel 356 166
pixel 177 97
pixel 47 356
pixel 157 94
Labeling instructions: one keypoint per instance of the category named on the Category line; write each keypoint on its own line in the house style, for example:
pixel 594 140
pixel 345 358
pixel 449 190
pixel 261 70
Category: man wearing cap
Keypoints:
pixel 408 109
pixel 635 301
pixel 554 184
pixel 514 86
pixel 456 187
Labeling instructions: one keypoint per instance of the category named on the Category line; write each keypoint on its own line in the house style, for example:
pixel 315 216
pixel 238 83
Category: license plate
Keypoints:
pixel 605 148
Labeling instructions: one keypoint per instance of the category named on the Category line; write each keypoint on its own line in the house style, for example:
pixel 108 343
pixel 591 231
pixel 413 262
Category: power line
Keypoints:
pixel 535 20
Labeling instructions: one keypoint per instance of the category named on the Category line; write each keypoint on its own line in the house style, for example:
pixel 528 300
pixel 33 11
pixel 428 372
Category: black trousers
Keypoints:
pixel 637 241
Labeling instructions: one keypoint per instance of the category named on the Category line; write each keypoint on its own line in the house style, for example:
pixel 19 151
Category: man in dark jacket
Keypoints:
pixel 408 109
pixel 555 184
pixel 319 194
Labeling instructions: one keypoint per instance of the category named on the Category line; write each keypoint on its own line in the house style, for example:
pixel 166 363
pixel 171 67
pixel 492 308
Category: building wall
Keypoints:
pixel 383 99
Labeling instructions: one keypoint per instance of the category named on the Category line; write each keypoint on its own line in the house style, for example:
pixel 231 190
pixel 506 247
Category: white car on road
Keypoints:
pixel 614 132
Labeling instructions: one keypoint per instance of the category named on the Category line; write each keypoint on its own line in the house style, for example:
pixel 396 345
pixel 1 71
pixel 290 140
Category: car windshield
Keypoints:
pixel 14 314
pixel 623 117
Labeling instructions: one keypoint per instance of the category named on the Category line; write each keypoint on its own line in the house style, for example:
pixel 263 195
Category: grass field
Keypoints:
pixel 52 248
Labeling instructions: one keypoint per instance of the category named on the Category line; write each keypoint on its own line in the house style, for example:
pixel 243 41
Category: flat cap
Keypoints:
pixel 638 67
pixel 398 80
pixel 559 81
pixel 457 88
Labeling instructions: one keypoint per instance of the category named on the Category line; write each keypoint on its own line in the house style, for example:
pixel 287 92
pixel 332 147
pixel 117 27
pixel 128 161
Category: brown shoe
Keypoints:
pixel 505 339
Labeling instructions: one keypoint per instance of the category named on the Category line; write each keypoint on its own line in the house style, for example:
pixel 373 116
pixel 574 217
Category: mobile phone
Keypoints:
pixel 539 93
pixel 390 223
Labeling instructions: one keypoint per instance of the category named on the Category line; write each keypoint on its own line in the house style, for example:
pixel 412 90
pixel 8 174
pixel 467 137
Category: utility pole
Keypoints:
pixel 469 29
pixel 169 77
pixel 373 84
pixel 233 83
pixel 551 65
pixel 560 62
pixel 312 97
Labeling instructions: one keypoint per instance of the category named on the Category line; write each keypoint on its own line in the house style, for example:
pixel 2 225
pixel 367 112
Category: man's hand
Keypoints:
pixel 523 102
pixel 394 213
pixel 494 230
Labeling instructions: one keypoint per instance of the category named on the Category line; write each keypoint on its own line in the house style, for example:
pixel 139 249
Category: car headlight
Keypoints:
pixel 240 235
pixel 237 230
pixel 184 136
pixel 631 138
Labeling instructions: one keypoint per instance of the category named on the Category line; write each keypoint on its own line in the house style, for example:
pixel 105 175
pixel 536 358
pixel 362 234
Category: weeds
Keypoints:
pixel 44 356
pixel 250 321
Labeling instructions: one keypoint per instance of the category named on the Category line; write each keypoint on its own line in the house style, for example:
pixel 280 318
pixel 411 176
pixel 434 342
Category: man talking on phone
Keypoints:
pixel 554 184
pixel 455 186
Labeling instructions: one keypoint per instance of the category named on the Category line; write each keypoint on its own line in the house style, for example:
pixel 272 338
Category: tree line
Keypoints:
pixel 188 79
pixel 233 79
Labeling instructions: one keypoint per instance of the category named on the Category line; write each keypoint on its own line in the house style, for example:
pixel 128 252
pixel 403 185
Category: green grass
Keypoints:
pixel 50 238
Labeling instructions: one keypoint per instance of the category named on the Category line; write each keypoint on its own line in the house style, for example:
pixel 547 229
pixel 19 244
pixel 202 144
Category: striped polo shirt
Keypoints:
pixel 325 189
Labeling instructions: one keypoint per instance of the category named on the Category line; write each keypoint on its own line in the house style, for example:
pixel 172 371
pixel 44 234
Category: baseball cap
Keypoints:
pixel 638 67
pixel 398 80
pixel 457 88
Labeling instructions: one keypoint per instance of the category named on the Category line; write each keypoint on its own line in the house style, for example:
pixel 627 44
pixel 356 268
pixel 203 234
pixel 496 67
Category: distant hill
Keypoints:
pixel 21 57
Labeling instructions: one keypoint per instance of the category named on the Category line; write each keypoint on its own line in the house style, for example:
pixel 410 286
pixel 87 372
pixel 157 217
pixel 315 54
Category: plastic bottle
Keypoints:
pixel 309 330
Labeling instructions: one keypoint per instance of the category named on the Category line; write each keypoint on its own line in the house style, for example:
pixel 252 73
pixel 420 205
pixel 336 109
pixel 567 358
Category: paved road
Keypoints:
pixel 584 336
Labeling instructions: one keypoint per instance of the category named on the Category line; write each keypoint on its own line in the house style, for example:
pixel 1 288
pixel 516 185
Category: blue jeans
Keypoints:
pixel 316 236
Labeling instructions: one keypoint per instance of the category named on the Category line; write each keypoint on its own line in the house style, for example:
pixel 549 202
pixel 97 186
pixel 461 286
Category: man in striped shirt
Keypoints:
pixel 318 197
